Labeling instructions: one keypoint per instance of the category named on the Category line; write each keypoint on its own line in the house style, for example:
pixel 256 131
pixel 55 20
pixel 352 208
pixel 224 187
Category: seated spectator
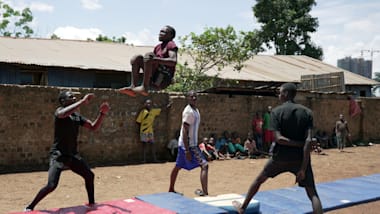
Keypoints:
pixel 323 139
pixel 212 150
pixel 250 147
pixel 221 144
pixel 173 146
pixel 235 147
pixel 203 147
pixel 315 146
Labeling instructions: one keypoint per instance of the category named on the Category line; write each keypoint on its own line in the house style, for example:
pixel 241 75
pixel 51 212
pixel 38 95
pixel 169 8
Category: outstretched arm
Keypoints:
pixel 104 108
pixel 68 110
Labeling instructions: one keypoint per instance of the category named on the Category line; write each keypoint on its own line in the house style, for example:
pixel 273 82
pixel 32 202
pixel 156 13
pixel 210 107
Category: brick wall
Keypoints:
pixel 27 120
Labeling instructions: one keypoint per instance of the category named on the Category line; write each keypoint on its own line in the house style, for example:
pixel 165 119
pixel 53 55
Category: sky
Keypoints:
pixel 346 27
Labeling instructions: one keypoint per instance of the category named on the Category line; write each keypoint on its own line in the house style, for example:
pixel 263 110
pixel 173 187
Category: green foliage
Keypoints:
pixel 14 22
pixel 54 36
pixel 287 25
pixel 187 79
pixel 215 48
pixel 376 78
pixel 102 38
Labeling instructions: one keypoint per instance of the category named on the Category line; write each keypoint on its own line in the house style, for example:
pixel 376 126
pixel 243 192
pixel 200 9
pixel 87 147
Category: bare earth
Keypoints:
pixel 229 176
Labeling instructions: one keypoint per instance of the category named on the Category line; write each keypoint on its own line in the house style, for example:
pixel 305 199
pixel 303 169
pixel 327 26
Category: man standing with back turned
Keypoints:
pixel 292 124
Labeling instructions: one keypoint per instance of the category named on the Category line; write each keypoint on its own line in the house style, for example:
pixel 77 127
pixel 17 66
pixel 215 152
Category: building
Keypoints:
pixel 357 65
pixel 269 72
pixel 68 63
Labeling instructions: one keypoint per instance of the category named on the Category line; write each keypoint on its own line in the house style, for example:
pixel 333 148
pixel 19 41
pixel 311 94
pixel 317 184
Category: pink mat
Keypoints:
pixel 118 206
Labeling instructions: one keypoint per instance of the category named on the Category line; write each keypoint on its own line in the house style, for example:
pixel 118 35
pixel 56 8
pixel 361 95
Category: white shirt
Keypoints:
pixel 192 117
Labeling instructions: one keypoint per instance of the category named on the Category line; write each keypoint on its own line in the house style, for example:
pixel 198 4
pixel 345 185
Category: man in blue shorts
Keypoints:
pixel 189 155
pixel 292 125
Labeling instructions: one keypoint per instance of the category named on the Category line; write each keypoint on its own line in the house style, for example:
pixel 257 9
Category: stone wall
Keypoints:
pixel 27 122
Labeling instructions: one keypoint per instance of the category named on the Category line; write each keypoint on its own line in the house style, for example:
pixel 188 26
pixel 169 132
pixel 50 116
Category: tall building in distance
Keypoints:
pixel 357 65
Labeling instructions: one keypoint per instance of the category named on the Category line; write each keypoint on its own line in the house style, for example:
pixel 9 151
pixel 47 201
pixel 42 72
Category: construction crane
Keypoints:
pixel 370 51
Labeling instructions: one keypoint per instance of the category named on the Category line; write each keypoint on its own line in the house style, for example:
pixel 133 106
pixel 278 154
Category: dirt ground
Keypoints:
pixel 228 176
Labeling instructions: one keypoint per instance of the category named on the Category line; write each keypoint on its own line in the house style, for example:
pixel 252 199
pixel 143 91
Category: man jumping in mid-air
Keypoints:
pixel 158 66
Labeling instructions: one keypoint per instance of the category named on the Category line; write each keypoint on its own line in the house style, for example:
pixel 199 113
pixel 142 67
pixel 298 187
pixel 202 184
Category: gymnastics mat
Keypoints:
pixel 225 202
pixel 334 195
pixel 179 204
pixel 118 207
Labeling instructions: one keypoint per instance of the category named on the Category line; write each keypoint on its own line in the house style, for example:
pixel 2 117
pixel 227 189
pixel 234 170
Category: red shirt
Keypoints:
pixel 257 124
pixel 162 51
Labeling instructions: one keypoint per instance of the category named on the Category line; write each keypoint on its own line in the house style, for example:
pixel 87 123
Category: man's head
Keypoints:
pixel 287 91
pixel 341 117
pixel 192 98
pixel 148 104
pixel 66 98
pixel 211 141
pixel 167 33
pixel 258 114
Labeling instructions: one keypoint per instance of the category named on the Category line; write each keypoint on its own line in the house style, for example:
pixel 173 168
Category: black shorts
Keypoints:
pixel 162 77
pixel 274 168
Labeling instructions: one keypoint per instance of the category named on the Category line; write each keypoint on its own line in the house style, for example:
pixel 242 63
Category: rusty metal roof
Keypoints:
pixel 114 56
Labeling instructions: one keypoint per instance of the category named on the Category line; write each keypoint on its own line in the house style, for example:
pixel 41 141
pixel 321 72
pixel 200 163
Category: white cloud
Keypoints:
pixel 346 28
pixel 91 4
pixel 34 5
pixel 74 33
pixel 144 37
pixel 42 7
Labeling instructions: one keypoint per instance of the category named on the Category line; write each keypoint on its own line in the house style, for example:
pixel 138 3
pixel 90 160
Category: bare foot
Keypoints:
pixel 237 206
pixel 141 90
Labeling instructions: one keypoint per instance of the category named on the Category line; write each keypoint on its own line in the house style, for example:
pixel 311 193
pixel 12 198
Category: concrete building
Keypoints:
pixel 356 65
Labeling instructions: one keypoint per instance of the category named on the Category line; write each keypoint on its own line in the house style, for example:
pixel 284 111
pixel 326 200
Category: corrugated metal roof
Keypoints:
pixel 69 53
pixel 280 68
pixel 114 56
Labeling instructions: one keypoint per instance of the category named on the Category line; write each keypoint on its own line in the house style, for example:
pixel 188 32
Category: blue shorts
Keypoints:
pixel 197 158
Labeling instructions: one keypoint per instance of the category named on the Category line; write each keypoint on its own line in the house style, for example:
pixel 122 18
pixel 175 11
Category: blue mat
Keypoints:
pixel 224 202
pixel 333 195
pixel 179 204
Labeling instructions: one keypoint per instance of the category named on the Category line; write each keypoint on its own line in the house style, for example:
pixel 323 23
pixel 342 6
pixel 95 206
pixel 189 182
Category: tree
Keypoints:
pixel 54 36
pixel 376 78
pixel 15 23
pixel 287 25
pixel 102 38
pixel 215 48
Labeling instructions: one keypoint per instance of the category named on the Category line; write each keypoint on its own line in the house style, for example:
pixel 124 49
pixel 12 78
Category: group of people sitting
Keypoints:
pixel 228 146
